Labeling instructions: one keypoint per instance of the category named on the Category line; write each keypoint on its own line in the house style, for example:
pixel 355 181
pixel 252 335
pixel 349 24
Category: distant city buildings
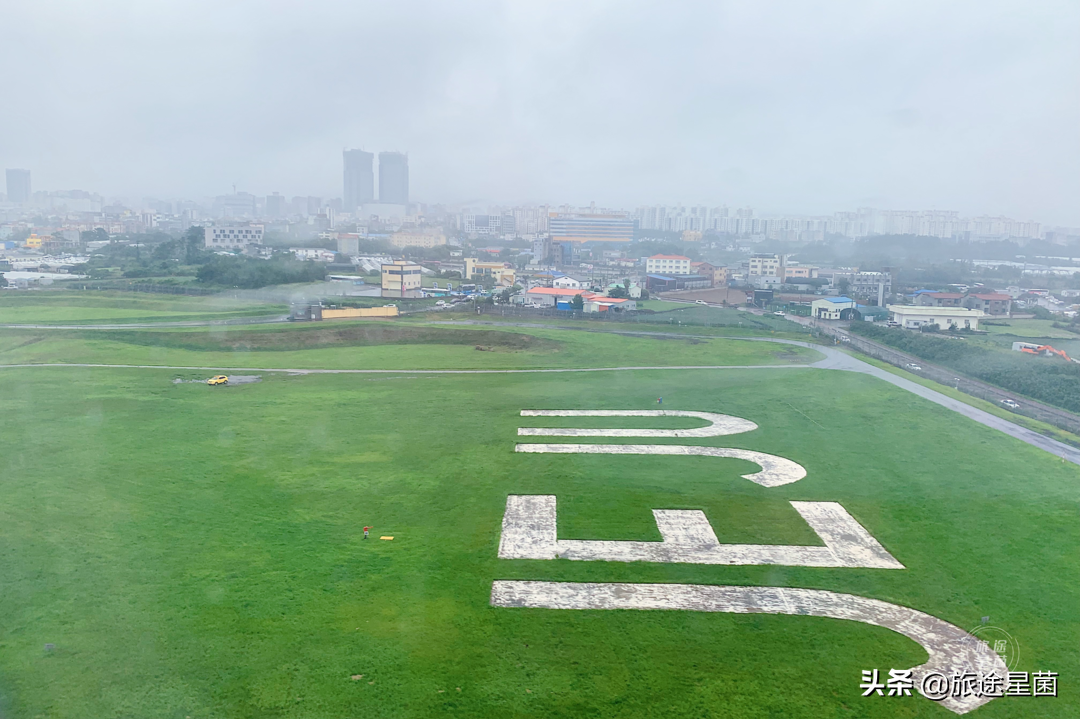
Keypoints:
pixel 433 237
pixel 582 227
pixel 393 178
pixel 232 236
pixel 558 236
pixel 18 186
pixel 275 206
pixel 240 204
pixel 359 179
pixel 864 222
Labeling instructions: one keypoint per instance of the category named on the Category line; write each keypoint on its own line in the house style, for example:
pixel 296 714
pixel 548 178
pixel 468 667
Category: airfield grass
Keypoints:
pixel 197 552
pixel 67 307
pixel 1028 328
pixel 383 345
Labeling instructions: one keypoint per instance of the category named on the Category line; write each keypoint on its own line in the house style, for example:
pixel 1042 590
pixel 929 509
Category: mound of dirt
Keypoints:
pixel 287 338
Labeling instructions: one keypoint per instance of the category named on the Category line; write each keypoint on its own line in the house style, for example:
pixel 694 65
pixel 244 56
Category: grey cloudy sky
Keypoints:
pixel 787 106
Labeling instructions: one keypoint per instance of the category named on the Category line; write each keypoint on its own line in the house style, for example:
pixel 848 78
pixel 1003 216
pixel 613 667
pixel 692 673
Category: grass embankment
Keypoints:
pixel 193 551
pixel 686 320
pixel 1047 379
pixel 382 345
pixel 1039 329
pixel 1034 425
pixel 74 307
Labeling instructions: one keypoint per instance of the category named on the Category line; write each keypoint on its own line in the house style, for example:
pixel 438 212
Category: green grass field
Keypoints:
pixel 197 552
pixel 71 307
pixel 383 345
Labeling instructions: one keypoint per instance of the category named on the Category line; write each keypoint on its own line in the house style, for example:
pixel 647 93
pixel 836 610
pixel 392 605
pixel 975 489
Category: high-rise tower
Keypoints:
pixel 18 185
pixel 359 179
pixel 393 178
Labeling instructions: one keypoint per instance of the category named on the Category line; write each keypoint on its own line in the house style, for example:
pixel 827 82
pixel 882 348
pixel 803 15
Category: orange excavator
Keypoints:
pixel 1046 351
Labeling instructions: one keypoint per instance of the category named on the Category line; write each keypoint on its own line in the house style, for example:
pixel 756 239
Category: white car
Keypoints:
pixel 1010 404
pixel 778 313
pixel 913 366
pixel 701 302
pixel 440 303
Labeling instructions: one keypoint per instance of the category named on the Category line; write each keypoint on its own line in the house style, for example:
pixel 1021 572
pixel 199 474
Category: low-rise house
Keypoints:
pixel 834 308
pixel 551 296
pixel 939 299
pixel 663 283
pixel 914 316
pixel 799 272
pixel 561 298
pixel 992 303
pixel 566 282
pixel 599 303
pixel 502 273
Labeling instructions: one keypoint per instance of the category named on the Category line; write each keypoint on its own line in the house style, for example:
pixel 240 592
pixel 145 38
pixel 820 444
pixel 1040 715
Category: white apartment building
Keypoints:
pixel 667 265
pixel 766 266
pixel 231 236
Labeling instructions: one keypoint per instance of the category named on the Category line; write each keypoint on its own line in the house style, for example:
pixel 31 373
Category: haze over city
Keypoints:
pixel 785 106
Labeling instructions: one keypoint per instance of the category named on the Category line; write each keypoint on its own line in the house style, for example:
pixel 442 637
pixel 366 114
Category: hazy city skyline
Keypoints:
pixel 786 107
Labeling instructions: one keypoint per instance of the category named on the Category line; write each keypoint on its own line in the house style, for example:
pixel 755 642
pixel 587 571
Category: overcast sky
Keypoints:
pixel 801 107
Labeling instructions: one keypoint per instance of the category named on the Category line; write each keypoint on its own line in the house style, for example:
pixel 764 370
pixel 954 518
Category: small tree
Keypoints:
pixel 844 285
pixel 193 243
pixel 577 304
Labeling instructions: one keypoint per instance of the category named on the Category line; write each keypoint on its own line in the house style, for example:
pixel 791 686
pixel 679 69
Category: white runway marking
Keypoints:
pixel 720 424
pixel 950 648
pixel 529 532
pixel 775 471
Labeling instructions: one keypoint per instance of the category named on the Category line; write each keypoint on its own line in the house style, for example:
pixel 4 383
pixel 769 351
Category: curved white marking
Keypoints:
pixel 719 424
pixel 775 471
pixel 529 531
pixel 951 649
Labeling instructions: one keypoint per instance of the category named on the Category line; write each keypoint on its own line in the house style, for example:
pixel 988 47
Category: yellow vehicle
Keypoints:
pixel 217 379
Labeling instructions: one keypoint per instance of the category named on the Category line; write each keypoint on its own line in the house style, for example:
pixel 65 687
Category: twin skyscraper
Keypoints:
pixel 360 179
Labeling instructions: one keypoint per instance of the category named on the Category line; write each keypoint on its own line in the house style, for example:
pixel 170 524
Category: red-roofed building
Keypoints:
pixel 991 303
pixel 600 303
